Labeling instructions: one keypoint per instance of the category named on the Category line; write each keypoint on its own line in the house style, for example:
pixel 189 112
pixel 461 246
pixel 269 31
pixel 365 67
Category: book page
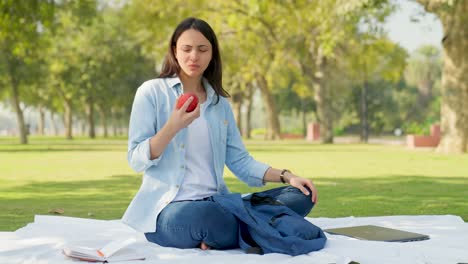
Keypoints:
pixel 109 249
pixel 83 253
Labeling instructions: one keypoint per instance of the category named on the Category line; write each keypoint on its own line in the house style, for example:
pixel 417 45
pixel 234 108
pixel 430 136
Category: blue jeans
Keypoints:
pixel 185 224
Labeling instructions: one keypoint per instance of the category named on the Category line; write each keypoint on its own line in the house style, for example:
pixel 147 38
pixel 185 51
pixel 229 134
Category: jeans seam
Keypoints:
pixel 167 227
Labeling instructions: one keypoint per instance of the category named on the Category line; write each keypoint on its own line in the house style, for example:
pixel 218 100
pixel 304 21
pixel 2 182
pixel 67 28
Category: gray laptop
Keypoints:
pixel 377 233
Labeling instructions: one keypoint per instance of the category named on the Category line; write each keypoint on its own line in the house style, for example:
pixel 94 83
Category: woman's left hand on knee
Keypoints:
pixel 301 183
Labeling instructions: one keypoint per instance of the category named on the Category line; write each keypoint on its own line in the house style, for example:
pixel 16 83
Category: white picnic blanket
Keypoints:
pixel 42 241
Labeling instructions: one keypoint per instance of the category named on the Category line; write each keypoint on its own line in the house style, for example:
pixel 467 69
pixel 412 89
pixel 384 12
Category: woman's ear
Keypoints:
pixel 174 51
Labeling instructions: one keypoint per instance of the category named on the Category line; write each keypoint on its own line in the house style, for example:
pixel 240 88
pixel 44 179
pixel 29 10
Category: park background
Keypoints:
pixel 69 71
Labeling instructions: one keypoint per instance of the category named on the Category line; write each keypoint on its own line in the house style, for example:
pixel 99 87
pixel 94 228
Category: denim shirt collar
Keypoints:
pixel 176 84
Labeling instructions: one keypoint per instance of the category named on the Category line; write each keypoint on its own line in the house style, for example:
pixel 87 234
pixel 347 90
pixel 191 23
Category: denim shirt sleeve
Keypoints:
pixel 142 128
pixel 238 159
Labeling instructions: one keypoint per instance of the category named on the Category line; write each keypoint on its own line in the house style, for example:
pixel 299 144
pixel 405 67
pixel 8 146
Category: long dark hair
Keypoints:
pixel 214 71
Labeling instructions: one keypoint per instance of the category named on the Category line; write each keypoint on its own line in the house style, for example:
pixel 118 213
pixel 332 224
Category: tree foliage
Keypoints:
pixel 22 24
pixel 84 59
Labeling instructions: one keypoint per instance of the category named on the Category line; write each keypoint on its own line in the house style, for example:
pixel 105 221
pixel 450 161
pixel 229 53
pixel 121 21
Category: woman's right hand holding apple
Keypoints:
pixel 180 118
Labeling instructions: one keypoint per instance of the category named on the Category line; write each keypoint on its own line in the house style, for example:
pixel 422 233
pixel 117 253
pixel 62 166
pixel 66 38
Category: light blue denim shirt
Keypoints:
pixel 153 104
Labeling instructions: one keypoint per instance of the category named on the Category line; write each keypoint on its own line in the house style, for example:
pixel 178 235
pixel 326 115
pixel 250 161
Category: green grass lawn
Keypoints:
pixel 91 178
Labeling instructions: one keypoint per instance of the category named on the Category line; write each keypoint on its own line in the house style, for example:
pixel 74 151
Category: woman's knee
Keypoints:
pixel 216 227
pixel 296 200
pixel 187 225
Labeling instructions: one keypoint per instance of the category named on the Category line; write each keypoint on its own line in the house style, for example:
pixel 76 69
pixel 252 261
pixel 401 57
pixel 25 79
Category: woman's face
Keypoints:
pixel 193 52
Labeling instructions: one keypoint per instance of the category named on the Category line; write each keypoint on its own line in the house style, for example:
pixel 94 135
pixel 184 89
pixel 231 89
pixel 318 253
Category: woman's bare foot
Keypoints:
pixel 204 246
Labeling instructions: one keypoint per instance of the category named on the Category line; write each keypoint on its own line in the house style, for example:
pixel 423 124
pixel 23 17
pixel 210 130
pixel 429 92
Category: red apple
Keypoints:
pixel 184 97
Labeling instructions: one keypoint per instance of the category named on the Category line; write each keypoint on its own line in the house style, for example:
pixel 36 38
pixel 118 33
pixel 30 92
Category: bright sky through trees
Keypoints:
pixel 411 34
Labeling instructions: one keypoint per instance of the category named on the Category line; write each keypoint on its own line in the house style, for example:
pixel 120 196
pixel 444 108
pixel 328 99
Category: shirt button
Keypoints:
pixel 182 146
pixel 177 186
pixel 182 166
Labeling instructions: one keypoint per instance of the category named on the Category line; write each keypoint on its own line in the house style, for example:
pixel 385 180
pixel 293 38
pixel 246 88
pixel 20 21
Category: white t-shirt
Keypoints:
pixel 199 181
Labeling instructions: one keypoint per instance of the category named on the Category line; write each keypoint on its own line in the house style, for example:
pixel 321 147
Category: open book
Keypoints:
pixel 112 252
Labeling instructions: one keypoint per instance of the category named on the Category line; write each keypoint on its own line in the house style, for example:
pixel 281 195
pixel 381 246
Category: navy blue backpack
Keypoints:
pixel 268 226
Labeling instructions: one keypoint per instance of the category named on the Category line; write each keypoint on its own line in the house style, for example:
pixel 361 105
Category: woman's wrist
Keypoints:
pixel 278 175
pixel 286 176
pixel 283 176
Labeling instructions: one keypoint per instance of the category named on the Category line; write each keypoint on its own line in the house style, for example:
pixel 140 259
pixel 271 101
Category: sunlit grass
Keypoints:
pixel 91 178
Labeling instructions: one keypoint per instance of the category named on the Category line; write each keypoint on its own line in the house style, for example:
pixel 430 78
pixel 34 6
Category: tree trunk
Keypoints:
pixel 454 106
pixel 114 121
pixel 364 113
pixel 425 92
pixel 41 121
pixel 273 130
pixel 237 105
pixel 15 98
pixel 103 116
pixel 90 118
pixel 23 129
pixel 68 109
pixel 304 117
pixel 68 118
pixel 454 110
pixel 249 104
pixel 324 111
